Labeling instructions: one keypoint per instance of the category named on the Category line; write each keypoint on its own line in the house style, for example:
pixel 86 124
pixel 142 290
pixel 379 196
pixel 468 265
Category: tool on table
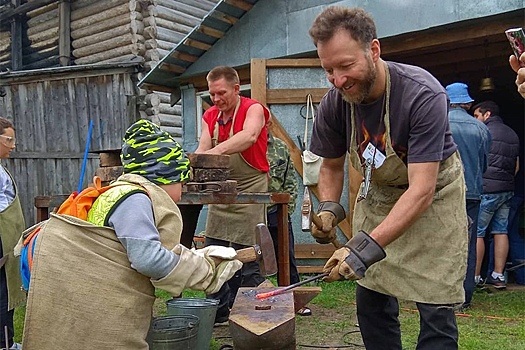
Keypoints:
pixel 291 286
pixel 308 216
pixel 263 252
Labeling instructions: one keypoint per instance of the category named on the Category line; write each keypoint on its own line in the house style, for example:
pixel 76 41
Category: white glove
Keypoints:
pixel 223 259
pixel 197 271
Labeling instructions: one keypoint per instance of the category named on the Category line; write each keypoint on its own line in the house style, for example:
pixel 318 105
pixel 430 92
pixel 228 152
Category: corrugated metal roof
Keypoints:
pixel 163 76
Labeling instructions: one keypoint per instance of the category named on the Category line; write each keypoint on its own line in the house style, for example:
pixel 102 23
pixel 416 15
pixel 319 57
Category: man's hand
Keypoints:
pixel 518 67
pixel 330 213
pixel 351 261
pixel 327 233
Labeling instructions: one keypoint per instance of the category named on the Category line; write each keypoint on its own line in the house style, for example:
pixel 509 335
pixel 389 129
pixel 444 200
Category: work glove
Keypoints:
pixel 351 261
pixel 199 270
pixel 225 264
pixel 330 213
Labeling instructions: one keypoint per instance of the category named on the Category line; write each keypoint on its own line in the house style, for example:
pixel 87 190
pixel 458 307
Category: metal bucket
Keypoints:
pixel 204 309
pixel 174 332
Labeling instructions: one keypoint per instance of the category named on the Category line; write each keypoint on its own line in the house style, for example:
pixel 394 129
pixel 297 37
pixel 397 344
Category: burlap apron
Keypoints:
pixel 84 294
pixel 428 262
pixel 236 222
pixel 11 227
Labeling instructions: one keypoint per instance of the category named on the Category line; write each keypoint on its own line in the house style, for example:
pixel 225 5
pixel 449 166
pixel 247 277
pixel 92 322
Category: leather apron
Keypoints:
pixel 11 227
pixel 427 263
pixel 236 222
pixel 84 293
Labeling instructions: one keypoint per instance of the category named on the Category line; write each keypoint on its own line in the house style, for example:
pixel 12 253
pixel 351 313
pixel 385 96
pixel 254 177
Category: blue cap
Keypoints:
pixel 458 93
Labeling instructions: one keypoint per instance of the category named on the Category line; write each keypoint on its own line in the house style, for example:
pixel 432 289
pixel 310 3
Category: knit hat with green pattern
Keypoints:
pixel 154 154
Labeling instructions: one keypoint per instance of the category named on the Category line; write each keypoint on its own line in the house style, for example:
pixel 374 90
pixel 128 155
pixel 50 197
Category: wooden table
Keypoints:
pixel 44 204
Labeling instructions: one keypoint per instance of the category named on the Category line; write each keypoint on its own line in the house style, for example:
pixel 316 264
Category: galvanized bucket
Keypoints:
pixel 204 309
pixel 174 332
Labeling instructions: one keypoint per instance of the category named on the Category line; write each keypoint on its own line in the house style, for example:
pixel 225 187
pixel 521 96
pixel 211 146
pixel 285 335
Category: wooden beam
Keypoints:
pixel 294 96
pixel 243 5
pixel 433 38
pixel 214 33
pixel 172 68
pixel 64 34
pixel 21 9
pixel 197 44
pixel 224 17
pixel 258 80
pixel 294 63
pixel 16 40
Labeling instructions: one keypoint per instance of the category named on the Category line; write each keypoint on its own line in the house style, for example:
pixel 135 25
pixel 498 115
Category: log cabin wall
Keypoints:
pixel 52 117
pixel 51 108
pixel 101 32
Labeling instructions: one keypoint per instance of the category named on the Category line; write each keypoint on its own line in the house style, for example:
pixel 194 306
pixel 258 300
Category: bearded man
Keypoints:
pixel 410 221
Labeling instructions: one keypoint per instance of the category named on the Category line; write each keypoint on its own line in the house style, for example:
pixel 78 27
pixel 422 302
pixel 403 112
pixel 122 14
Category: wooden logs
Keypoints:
pixel 106 24
pixel 106 45
pixel 135 49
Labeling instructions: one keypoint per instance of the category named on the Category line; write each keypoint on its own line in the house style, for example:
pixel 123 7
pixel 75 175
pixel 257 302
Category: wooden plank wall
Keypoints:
pixel 51 119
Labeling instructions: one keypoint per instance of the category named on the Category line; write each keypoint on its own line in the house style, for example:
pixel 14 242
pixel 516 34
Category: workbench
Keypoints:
pixel 44 204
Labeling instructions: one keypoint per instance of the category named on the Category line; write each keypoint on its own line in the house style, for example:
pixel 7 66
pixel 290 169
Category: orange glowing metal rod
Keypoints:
pixel 291 286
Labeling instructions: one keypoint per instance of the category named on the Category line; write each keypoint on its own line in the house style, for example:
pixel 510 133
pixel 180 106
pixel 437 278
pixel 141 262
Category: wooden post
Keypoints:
pixel 16 39
pixel 64 36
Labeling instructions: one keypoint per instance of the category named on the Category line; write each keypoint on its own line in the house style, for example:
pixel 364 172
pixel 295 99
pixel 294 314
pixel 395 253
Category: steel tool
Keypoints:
pixel 263 252
pixel 308 216
pixel 291 286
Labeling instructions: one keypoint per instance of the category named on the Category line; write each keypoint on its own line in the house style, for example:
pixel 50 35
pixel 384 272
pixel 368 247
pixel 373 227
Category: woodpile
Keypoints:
pixel 40 49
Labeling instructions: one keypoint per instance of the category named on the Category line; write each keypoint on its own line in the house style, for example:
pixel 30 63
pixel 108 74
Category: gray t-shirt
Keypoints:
pixel 419 128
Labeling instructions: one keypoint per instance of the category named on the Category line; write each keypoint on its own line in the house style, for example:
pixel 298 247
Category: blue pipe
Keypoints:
pixel 86 151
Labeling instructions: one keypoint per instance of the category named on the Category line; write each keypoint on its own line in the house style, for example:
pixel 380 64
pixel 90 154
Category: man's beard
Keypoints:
pixel 364 86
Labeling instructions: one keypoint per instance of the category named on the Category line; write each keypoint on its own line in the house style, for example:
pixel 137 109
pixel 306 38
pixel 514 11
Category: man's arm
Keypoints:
pixel 253 125
pixel 331 177
pixel 205 143
pixel 422 178
pixel 517 165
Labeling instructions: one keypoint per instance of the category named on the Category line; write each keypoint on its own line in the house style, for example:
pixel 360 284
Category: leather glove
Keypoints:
pixel 198 271
pixel 351 261
pixel 327 233
pixel 330 213
pixel 225 265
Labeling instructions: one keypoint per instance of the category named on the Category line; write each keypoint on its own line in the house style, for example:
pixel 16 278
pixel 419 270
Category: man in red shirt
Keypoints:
pixel 235 126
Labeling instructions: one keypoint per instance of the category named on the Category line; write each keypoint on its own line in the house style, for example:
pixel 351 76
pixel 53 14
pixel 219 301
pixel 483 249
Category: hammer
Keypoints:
pixel 263 252
pixel 308 216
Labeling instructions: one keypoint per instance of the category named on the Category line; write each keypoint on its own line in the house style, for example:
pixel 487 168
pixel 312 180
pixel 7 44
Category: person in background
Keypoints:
pixel 410 224
pixel 93 282
pixel 473 140
pixel 283 179
pixel 11 227
pixel 235 126
pixel 519 67
pixel 498 189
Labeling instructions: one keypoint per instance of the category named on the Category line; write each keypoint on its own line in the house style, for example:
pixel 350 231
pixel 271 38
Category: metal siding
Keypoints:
pixel 51 119
pixel 393 17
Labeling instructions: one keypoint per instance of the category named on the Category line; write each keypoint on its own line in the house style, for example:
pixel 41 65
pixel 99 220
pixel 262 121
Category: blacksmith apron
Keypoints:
pixel 236 222
pixel 11 227
pixel 84 294
pixel 427 263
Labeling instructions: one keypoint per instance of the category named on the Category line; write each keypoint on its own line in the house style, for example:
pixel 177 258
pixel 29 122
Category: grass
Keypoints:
pixel 496 320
